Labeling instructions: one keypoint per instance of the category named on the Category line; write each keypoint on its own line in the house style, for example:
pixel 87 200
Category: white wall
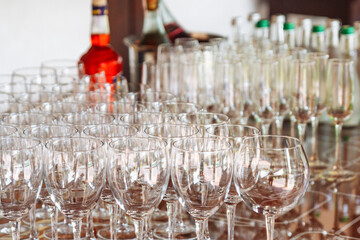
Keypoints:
pixel 38 30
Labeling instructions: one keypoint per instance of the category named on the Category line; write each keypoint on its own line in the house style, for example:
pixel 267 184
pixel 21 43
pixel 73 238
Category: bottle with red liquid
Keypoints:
pixel 101 57
pixel 172 28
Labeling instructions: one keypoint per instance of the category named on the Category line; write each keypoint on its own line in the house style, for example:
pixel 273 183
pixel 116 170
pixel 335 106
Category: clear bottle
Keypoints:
pixel 237 30
pixel 172 27
pixel 348 50
pixel 277 28
pixel 153 32
pixel 101 57
pixel 303 33
pixel 289 34
pixel 262 29
pixel 318 43
pixel 332 37
pixel 253 18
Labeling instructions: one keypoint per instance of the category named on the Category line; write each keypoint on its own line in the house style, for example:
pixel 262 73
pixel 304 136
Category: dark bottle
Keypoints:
pixel 172 28
pixel 101 57
pixel 153 32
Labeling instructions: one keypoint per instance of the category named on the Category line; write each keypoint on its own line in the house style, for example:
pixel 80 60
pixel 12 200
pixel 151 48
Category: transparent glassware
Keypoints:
pixel 138 175
pixel 58 109
pixel 83 119
pixel 64 67
pixel 169 133
pixel 36 75
pixel 149 96
pixel 118 107
pixel 271 174
pixel 339 105
pixel 235 134
pixel 304 99
pixel 21 172
pixel 203 120
pixel 109 132
pixel 201 174
pixel 142 120
pixel 74 171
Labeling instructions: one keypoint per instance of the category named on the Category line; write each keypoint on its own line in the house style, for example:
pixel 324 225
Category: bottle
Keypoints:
pixel 303 34
pixel 289 34
pixel 172 28
pixel 318 39
pixel 348 50
pixel 262 29
pixel 101 57
pixel 253 18
pixel 237 33
pixel 277 28
pixel 153 32
pixel 332 37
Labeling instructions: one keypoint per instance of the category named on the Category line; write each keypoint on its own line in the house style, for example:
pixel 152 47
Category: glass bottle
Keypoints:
pixel 332 37
pixel 289 34
pixel 348 50
pixel 262 29
pixel 172 27
pixel 318 39
pixel 101 57
pixel 303 33
pixel 277 28
pixel 253 18
pixel 153 32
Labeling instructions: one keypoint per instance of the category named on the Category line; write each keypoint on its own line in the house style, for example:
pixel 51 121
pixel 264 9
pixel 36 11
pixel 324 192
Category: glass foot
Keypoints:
pixel 104 233
pixel 65 232
pixel 183 231
pixel 339 176
pixel 316 168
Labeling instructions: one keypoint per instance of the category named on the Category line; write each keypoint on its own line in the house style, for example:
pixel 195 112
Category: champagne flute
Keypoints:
pixel 339 104
pixel 235 134
pixel 271 174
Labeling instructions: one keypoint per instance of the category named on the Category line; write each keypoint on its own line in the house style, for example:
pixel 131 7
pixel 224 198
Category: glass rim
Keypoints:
pixel 227 148
pixel 341 60
pixel 320 54
pixel 232 125
pixel 304 61
pixel 56 139
pixel 296 141
pixel 161 125
pixel 206 113
pixel 27 130
pixel 160 144
pixel 89 128
pixel 36 143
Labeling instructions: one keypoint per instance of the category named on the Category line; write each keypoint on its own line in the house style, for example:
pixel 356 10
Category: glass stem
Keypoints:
pixel 15 229
pixel 32 217
pixel 270 225
pixel 265 128
pixel 178 215
pixel 110 208
pixel 314 128
pixel 139 229
pixel 279 124
pixel 292 126
pixel 121 218
pixel 171 210
pixel 338 130
pixel 90 225
pixel 230 213
pixel 147 227
pixel 200 229
pixel 76 225
pixel 301 131
pixel 54 216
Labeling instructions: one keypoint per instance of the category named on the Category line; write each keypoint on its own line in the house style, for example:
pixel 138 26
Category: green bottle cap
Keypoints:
pixel 318 28
pixel 289 26
pixel 347 30
pixel 263 23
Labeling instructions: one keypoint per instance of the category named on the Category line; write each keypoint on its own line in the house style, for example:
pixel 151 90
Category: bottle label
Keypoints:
pixel 99 10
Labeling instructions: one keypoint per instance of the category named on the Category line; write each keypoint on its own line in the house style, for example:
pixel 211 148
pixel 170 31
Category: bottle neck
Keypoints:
pixel 153 22
pixel 347 46
pixel 333 38
pixel 262 33
pixel 305 38
pixel 290 38
pixel 318 42
pixel 100 30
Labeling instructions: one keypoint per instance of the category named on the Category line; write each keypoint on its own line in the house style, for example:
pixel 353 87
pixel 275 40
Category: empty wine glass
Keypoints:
pixel 142 120
pixel 271 174
pixel 201 173
pixel 339 104
pixel 149 96
pixel 170 133
pixel 74 176
pixel 138 175
pixel 64 67
pixel 203 120
pixel 21 177
pixel 235 134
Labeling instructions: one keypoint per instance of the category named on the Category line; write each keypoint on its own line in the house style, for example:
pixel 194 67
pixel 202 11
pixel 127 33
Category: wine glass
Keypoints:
pixel 304 99
pixel 74 176
pixel 202 120
pixel 339 104
pixel 271 174
pixel 170 133
pixel 138 175
pixel 235 134
pixel 118 107
pixel 149 96
pixel 21 177
pixel 64 67
pixel 201 173
pixel 142 120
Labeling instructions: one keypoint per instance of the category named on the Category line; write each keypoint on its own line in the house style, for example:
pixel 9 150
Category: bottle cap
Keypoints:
pixel 346 29
pixel 289 26
pixel 263 23
pixel 318 28
pixel 306 23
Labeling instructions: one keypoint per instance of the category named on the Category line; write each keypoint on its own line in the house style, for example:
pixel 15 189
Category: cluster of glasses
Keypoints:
pixel 72 142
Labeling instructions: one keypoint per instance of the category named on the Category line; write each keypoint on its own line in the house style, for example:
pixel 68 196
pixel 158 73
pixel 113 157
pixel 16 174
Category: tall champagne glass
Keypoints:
pixel 21 172
pixel 201 174
pixel 271 174
pixel 339 104
pixel 235 134
pixel 74 176
pixel 303 92
pixel 138 175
